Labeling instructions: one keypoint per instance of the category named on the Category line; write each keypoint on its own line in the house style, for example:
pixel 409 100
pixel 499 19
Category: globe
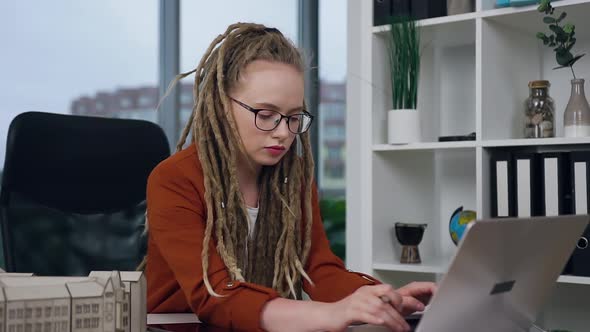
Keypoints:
pixel 458 223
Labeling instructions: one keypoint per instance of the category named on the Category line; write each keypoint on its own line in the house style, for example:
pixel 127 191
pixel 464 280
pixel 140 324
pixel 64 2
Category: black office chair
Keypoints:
pixel 73 192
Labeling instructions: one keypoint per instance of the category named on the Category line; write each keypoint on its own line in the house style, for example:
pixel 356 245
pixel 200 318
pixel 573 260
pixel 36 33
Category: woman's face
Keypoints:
pixel 270 86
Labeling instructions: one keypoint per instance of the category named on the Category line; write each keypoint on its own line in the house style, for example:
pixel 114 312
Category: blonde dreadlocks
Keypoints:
pixel 276 254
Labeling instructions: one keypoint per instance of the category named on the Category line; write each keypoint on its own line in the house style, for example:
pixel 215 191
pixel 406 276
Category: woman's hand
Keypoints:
pixel 415 296
pixel 377 305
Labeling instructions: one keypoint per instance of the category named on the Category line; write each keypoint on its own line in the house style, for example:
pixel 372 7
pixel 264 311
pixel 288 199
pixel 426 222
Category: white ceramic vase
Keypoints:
pixel 403 126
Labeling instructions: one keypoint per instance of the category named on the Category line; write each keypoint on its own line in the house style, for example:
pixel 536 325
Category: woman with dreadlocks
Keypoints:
pixel 235 233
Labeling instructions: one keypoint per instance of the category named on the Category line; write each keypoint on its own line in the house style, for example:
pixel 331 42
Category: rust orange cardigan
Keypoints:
pixel 177 215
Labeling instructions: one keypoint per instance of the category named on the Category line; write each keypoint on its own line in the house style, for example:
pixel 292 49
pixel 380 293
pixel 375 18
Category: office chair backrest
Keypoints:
pixel 73 192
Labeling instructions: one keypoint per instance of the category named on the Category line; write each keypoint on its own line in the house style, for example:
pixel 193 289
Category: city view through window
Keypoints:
pixel 100 58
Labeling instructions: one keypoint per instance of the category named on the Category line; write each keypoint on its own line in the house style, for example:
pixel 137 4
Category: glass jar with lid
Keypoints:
pixel 539 111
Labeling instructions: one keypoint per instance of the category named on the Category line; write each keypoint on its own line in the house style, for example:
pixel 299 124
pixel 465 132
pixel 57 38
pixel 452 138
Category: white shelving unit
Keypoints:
pixel 474 74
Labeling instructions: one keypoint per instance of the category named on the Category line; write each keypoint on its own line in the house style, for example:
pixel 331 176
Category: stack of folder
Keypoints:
pixel 525 184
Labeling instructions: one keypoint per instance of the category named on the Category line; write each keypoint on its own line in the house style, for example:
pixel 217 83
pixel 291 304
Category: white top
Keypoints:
pixel 252 214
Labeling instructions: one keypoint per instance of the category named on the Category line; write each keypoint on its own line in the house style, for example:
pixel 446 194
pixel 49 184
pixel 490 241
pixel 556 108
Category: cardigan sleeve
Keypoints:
pixel 331 280
pixel 177 218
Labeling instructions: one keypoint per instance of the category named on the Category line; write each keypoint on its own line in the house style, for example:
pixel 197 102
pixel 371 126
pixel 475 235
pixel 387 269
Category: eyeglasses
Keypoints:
pixel 268 120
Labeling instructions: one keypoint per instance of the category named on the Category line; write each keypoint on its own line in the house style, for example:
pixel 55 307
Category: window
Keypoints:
pixel 11 314
pixel 19 313
pixel 57 311
pixel 64 325
pixel 86 308
pixel 334 153
pixel 198 31
pixel 186 98
pixel 28 312
pixel 336 171
pixel 108 294
pixel 332 77
pixel 78 323
pixel 78 57
pixel 47 327
pixel 95 322
pixel 64 310
pixel 38 312
pixel 38 327
pixel 125 321
pixel 86 323
pixel 47 312
pixel 28 327
pixel 125 307
pixel 19 328
pixel 11 328
pixel 95 308
pixel 78 308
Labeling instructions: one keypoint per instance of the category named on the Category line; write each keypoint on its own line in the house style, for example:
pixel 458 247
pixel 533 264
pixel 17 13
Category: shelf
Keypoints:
pixel 434 265
pixel 474 75
pixel 501 14
pixel 506 11
pixel 536 141
pixel 440 267
pixel 529 20
pixel 566 279
pixel 429 22
pixel 446 31
pixel 425 146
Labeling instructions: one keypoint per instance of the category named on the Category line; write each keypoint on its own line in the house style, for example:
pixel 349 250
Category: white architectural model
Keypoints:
pixel 105 301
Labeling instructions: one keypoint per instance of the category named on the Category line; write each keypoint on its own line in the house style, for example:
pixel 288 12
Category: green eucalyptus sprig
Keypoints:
pixel 562 37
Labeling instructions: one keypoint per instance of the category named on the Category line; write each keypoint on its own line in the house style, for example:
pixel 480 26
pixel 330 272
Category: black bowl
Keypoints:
pixel 409 234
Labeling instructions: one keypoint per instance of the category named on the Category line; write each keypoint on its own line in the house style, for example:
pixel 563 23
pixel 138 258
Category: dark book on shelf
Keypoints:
pixel 400 7
pixel 382 12
pixel 421 9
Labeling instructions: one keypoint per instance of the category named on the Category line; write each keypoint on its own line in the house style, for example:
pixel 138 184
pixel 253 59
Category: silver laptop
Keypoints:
pixel 502 274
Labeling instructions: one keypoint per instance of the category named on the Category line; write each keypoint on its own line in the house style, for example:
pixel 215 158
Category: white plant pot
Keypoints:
pixel 403 127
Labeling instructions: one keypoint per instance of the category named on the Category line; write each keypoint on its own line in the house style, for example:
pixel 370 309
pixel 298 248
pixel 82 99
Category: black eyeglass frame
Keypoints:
pixel 288 117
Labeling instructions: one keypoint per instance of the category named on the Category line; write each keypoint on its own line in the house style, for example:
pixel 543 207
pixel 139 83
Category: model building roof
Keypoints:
pixel 85 289
pixel 105 275
pixel 132 276
pixel 43 292
pixel 16 281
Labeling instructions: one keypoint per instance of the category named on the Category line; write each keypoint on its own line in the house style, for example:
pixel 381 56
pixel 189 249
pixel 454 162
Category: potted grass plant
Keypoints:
pixel 403 46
